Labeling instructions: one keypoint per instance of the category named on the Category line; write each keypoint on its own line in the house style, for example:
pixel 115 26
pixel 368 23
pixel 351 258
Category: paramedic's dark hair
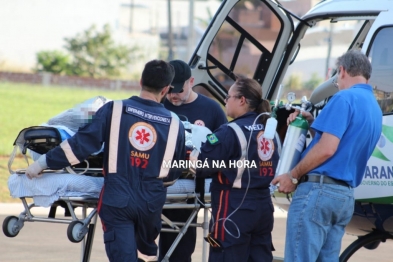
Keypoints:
pixel 252 91
pixel 156 75
pixel 355 63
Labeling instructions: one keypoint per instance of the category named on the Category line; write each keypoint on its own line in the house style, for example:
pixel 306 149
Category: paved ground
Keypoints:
pixel 48 242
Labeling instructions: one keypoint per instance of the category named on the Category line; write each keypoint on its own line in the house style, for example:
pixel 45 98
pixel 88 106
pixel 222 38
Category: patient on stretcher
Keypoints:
pixel 54 184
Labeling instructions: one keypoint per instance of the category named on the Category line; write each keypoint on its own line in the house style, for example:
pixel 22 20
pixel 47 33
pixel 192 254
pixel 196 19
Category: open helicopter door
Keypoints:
pixel 244 37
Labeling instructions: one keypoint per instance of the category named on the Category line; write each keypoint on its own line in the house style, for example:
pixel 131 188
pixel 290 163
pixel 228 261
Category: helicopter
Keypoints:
pixel 265 40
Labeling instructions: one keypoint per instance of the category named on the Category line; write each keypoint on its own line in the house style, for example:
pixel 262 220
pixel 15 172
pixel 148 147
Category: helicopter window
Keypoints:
pixel 315 62
pixel 244 43
pixel 381 57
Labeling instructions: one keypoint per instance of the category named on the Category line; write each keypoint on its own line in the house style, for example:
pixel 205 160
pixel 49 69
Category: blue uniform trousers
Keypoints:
pixel 134 226
pixel 244 234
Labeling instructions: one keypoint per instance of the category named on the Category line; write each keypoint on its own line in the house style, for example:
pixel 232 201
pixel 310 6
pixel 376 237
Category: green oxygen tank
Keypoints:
pixel 294 142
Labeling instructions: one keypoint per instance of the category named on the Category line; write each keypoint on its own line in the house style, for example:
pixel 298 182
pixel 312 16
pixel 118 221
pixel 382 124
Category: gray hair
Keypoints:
pixel 355 63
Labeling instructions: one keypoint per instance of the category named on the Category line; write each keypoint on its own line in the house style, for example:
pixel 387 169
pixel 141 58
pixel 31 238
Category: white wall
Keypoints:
pixel 153 14
pixel 29 26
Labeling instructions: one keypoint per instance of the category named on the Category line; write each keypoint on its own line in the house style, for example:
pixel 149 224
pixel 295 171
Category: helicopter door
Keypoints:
pixel 245 38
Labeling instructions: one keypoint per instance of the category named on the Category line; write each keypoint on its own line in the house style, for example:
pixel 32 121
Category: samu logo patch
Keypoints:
pixel 142 136
pixel 265 147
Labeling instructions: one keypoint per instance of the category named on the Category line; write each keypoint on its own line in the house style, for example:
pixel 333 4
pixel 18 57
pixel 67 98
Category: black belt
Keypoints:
pixel 325 180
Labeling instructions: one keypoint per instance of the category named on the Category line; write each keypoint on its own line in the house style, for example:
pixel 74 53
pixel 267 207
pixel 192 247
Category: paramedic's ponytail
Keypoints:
pixel 264 106
pixel 252 91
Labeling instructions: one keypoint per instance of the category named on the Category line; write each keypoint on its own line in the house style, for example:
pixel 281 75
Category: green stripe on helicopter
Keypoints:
pixel 387 131
pixel 378 154
pixel 387 134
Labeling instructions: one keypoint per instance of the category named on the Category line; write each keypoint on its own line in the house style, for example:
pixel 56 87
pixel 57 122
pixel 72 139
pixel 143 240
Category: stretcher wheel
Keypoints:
pixel 10 227
pixel 75 231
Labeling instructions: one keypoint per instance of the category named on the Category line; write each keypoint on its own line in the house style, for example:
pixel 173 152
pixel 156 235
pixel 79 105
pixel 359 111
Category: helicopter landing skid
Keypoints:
pixel 370 241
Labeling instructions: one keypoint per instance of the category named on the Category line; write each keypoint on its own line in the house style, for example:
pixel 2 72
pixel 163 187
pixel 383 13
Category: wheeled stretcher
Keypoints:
pixel 70 190
pixel 56 188
pixel 81 229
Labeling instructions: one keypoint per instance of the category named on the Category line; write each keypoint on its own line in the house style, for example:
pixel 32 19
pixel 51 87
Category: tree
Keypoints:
pixel 313 82
pixel 294 82
pixel 95 54
pixel 55 62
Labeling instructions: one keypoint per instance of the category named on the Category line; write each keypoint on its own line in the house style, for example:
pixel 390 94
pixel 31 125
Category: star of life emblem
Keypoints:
pixel 142 136
pixel 265 147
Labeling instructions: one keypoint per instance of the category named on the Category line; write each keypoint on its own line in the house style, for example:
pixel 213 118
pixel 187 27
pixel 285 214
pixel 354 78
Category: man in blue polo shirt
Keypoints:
pixel 345 135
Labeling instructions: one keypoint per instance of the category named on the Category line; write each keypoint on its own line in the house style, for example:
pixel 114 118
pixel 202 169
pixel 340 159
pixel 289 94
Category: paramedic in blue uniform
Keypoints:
pixel 242 210
pixel 139 133
pixel 345 134
pixel 199 110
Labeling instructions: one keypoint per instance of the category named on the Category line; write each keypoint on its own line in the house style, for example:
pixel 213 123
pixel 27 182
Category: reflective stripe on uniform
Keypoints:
pixel 243 144
pixel 222 215
pixel 171 144
pixel 114 136
pixel 68 153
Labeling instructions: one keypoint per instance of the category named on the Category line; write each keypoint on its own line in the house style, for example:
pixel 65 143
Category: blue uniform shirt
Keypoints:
pixel 354 116
pixel 141 139
pixel 225 148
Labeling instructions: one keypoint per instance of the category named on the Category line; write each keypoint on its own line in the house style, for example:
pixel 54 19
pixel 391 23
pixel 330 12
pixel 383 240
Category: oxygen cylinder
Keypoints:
pixel 295 139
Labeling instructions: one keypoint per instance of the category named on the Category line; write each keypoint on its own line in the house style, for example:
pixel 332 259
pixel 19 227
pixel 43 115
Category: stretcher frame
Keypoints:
pixel 79 229
pixel 83 229
pixel 182 227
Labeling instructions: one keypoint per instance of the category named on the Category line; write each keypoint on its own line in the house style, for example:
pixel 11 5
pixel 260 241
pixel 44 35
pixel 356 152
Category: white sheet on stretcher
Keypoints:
pixel 186 186
pixel 48 188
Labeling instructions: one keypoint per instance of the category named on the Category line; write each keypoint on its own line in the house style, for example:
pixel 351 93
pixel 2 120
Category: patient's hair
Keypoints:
pixel 156 75
pixel 355 63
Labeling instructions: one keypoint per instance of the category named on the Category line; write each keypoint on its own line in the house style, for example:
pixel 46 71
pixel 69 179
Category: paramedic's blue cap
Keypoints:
pixel 182 74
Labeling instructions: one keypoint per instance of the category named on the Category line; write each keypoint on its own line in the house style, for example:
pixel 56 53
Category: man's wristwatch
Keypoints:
pixel 294 180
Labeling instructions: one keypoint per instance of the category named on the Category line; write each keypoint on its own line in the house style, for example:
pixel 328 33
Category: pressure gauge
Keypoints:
pixel 291 96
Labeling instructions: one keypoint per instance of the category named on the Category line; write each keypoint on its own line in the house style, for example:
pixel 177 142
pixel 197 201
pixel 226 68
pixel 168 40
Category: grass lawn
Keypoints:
pixel 24 105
